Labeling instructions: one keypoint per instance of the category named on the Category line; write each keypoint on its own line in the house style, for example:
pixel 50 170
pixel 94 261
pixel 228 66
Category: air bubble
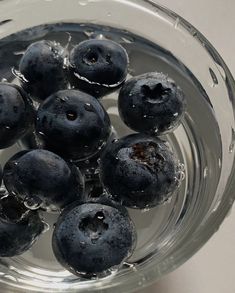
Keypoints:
pixel 83 2
pixel 205 172
pixel 214 78
pixel 32 204
pixel 4 80
pixel 145 210
pixel 8 127
pixel 126 40
pixel 88 33
pixel 176 114
pixel 177 22
pixel 46 227
pixel 18 75
pixel 232 144
pixel 41 133
pixel 3 192
pixel 17 53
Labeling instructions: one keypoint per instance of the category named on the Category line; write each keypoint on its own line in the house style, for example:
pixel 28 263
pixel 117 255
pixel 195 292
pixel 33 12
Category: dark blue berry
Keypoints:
pixel 42 66
pixel 139 171
pixel 90 239
pixel 41 178
pixel 73 124
pixel 98 66
pixel 16 114
pixel 151 103
pixel 19 227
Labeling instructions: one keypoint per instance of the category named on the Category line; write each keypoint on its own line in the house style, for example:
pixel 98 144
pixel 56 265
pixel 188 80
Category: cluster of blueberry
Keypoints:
pixel 73 132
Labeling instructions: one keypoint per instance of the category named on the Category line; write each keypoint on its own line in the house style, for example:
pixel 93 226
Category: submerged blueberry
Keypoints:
pixel 98 66
pixel 151 103
pixel 139 171
pixel 42 66
pixel 92 238
pixel 40 177
pixel 19 227
pixel 73 124
pixel 16 114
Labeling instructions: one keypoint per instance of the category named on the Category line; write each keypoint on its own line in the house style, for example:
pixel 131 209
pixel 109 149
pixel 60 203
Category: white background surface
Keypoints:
pixel 212 269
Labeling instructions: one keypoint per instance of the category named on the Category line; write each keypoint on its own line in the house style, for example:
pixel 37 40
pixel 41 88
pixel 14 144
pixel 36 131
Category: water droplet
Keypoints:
pixel 177 22
pixel 214 78
pixel 232 144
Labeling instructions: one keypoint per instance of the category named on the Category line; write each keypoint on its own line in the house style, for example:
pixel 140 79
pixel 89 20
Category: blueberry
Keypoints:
pixel 90 239
pixel 19 227
pixel 42 66
pixel 151 103
pixel 98 66
pixel 73 124
pixel 41 178
pixel 139 171
pixel 16 114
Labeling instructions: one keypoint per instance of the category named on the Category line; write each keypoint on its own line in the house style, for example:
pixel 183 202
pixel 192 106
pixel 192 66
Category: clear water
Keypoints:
pixel 192 141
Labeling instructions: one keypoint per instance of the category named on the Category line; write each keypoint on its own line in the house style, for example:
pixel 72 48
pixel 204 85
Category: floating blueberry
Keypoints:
pixel 151 103
pixel 98 66
pixel 19 227
pixel 90 239
pixel 139 171
pixel 16 114
pixel 42 66
pixel 41 178
pixel 73 124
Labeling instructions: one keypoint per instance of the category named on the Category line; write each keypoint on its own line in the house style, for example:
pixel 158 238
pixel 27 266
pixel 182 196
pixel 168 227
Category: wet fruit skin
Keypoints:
pixel 19 227
pixel 139 171
pixel 151 103
pixel 42 66
pixel 40 176
pixel 73 124
pixel 92 238
pixel 98 66
pixel 16 114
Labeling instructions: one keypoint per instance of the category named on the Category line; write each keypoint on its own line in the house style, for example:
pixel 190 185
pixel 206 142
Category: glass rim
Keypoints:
pixel 214 220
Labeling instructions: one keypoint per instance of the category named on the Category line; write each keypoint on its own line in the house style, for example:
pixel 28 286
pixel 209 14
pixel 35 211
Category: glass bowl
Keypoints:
pixel 170 234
